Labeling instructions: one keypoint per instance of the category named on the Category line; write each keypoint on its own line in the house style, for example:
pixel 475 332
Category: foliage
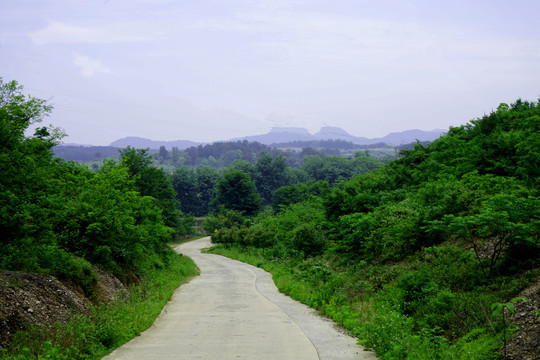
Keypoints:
pixel 292 194
pixel 270 174
pixel 195 189
pixel 334 168
pixel 56 216
pixel 501 309
pixel 236 191
pixel 151 181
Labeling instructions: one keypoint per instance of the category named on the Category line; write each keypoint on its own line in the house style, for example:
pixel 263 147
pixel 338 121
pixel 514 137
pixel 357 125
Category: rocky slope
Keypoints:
pixel 37 299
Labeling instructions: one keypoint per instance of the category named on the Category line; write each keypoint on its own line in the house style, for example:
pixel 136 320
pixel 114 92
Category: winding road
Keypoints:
pixel 234 311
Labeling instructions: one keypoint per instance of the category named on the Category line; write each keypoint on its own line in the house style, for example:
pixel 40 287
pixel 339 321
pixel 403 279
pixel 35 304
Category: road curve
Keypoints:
pixel 234 311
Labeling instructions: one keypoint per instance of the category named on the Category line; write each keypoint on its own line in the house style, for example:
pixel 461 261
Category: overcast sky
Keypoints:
pixel 207 70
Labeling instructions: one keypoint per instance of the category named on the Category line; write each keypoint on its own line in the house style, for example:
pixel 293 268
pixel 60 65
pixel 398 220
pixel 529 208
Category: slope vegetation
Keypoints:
pixel 425 257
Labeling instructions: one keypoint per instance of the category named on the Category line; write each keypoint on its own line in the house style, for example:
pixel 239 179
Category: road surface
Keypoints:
pixel 234 311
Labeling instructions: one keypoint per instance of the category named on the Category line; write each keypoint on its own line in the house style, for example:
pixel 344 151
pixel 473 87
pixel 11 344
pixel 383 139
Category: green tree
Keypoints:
pixel 151 181
pixel 55 216
pixel 270 174
pixel 175 156
pixel 163 153
pixel 207 179
pixel 135 160
pixel 504 224
pixel 184 182
pixel 27 167
pixel 236 191
pixel 328 168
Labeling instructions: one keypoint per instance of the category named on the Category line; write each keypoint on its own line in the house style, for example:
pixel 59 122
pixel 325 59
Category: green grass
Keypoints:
pixel 108 326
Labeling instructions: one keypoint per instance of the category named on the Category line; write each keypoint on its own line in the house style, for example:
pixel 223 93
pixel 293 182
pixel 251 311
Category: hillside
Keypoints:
pixel 432 256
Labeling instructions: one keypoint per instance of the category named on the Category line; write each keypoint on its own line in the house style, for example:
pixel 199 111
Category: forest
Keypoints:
pixel 421 257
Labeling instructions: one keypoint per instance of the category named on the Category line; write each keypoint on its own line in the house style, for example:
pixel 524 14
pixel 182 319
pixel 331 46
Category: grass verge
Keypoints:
pixel 380 304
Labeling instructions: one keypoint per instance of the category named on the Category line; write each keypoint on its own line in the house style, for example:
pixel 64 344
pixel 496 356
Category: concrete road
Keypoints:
pixel 234 311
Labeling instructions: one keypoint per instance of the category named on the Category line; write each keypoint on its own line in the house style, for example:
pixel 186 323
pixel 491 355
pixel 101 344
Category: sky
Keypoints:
pixel 210 70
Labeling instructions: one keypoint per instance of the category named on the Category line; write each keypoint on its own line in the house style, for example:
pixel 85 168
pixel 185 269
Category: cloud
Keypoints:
pixel 58 32
pixel 90 66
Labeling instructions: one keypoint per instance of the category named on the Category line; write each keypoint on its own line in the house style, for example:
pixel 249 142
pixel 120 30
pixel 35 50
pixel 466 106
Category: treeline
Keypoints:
pixel 221 155
pixel 335 144
pixel 85 153
pixel 58 217
pixel 420 257
pixel 249 187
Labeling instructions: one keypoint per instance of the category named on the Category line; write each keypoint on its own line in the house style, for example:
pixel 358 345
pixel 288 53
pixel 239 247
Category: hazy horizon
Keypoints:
pixel 213 70
pixel 232 139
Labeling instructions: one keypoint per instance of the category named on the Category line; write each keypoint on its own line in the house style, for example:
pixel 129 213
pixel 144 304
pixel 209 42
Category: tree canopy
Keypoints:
pixel 57 216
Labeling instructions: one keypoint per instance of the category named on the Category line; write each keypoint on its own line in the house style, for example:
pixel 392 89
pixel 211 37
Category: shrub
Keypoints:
pixel 309 240
pixel 66 266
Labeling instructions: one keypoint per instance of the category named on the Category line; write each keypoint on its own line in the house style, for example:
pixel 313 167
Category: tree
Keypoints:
pixel 163 153
pixel 184 182
pixel 55 216
pixel 236 191
pixel 175 156
pixel 504 224
pixel 270 174
pixel 207 179
pixel 27 166
pixel 135 160
pixel 151 181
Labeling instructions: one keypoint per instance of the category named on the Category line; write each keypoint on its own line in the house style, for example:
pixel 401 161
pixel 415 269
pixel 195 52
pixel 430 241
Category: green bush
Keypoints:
pixel 309 240
pixel 66 266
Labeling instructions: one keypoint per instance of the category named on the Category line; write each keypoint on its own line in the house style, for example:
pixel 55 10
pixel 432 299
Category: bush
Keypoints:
pixel 309 240
pixel 66 266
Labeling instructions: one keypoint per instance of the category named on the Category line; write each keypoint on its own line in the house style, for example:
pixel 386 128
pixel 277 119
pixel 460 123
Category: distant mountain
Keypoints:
pixel 142 143
pixel 409 136
pixel 335 133
pixel 281 135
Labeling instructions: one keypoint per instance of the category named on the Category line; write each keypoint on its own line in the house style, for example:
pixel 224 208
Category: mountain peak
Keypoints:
pixel 332 131
pixel 336 133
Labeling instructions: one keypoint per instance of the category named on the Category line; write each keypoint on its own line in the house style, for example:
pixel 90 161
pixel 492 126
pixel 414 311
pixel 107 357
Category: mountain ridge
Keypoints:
pixel 290 134
pixel 285 134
